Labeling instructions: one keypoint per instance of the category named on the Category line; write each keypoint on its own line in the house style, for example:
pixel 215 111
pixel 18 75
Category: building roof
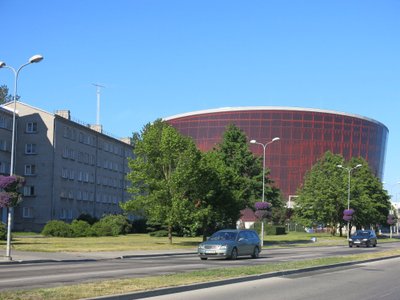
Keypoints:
pixel 9 107
pixel 271 108
pixel 247 215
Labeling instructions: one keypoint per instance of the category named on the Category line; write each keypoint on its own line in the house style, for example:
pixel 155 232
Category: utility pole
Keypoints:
pixel 98 87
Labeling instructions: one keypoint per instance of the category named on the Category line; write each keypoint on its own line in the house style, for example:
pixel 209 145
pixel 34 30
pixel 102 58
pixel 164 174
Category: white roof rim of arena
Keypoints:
pixel 255 108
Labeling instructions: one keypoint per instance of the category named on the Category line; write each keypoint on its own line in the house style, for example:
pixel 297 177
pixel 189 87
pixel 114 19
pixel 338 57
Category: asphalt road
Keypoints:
pixel 27 276
pixel 367 281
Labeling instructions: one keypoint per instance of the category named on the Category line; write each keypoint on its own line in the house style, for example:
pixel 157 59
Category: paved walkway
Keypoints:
pixel 37 257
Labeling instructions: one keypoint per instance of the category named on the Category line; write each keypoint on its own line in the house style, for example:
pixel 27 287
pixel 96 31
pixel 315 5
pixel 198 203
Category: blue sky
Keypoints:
pixel 159 58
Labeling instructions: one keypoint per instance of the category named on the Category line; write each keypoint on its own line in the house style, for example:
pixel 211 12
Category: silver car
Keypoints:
pixel 231 243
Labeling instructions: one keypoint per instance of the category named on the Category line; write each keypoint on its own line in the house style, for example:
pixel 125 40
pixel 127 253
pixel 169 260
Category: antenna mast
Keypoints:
pixel 98 87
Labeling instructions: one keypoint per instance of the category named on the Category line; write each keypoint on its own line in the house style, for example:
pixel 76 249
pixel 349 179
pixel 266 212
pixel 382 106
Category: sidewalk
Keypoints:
pixel 41 257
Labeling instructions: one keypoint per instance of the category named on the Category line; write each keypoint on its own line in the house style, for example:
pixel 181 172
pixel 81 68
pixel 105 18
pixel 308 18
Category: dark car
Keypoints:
pixel 363 238
pixel 231 243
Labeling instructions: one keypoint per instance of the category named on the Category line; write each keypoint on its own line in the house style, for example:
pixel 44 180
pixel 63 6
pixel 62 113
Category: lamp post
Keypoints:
pixel 33 59
pixel 263 182
pixel 348 191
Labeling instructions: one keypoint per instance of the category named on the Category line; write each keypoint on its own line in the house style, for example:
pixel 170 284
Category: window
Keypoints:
pixel 63 214
pixel 86 176
pixel 71 174
pixel 30 148
pixel 80 176
pixel 29 190
pixel 27 212
pixel 64 173
pixel 31 127
pixel 5 122
pixel 30 170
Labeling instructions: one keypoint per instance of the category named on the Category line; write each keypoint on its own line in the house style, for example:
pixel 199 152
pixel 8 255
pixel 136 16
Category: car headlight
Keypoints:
pixel 223 247
pixel 365 240
pixel 201 246
pixel 350 240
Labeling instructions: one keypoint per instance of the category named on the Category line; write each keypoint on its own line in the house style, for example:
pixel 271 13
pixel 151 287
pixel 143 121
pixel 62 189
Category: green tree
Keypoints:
pixel 219 207
pixel 368 198
pixel 5 96
pixel 243 173
pixel 164 160
pixel 320 199
pixel 324 195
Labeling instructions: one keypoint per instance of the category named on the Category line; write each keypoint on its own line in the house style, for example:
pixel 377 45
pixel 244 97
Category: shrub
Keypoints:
pixel 101 229
pixel 3 231
pixel 57 228
pixel 80 228
pixel 111 225
pixel 275 230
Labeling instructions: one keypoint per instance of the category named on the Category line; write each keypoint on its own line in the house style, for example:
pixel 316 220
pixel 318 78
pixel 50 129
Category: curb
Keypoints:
pixel 197 286
pixel 32 261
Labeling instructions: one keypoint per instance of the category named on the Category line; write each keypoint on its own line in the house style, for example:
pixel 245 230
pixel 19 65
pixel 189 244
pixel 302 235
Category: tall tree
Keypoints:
pixel 324 194
pixel 368 198
pixel 319 200
pixel 4 95
pixel 245 171
pixel 163 160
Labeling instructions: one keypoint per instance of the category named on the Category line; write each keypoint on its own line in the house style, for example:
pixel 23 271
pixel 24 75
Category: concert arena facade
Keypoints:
pixel 305 135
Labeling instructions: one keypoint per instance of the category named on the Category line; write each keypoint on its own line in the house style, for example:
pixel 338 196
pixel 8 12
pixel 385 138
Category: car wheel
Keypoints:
pixel 351 246
pixel 374 245
pixel 256 253
pixel 234 254
pixel 367 244
pixel 203 258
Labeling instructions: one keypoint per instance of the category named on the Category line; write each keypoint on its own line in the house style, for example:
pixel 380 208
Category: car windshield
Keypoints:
pixel 362 233
pixel 223 236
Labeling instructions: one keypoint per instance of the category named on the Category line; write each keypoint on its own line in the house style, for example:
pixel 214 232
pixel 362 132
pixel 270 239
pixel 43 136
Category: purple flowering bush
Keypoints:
pixel 10 195
pixel 347 218
pixel 262 205
pixel 262 214
pixel 348 212
pixel 4 199
pixel 263 210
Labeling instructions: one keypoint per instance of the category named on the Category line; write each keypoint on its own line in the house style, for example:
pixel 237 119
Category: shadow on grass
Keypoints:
pixel 180 243
pixel 287 243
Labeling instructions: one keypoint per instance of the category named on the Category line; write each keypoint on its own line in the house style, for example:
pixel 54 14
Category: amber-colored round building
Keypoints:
pixel 305 135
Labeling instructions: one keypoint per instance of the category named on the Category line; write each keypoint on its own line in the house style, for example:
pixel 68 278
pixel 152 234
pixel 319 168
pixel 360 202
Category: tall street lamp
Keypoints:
pixel 348 191
pixel 33 59
pixel 263 182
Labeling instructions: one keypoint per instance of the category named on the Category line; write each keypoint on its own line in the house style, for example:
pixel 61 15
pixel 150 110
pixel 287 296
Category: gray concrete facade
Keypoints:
pixel 70 168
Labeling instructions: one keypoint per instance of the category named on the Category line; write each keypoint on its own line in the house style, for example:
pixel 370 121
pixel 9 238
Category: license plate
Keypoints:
pixel 356 242
pixel 210 252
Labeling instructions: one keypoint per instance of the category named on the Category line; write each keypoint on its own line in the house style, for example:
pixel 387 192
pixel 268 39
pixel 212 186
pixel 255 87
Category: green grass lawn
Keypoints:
pixel 35 242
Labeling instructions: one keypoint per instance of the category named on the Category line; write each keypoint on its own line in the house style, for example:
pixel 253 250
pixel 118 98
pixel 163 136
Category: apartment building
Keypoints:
pixel 5 148
pixel 70 168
